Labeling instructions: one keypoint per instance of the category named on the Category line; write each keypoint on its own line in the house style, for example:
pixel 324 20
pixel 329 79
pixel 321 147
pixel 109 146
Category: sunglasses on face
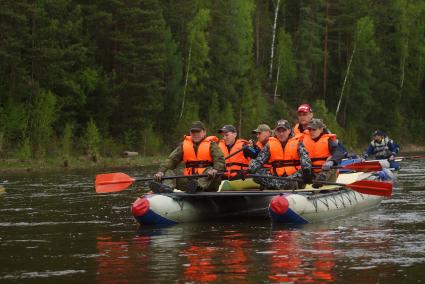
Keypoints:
pixel 312 129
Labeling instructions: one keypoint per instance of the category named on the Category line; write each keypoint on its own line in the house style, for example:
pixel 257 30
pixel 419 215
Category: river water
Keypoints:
pixel 55 228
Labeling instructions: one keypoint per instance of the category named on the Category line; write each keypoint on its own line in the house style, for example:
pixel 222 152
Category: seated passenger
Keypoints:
pixel 323 151
pixel 201 155
pixel 236 151
pixel 382 147
pixel 288 158
pixel 263 133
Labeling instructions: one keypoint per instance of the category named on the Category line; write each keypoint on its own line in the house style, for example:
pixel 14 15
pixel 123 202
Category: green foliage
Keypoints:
pixel 91 141
pixel 123 64
pixel 286 64
pixel 321 111
pixel 24 150
pixel 67 141
pixel 43 116
pixel 151 144
pixel 14 122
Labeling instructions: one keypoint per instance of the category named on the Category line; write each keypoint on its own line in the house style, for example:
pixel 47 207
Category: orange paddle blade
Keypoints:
pixel 112 182
pixel 364 166
pixel 372 187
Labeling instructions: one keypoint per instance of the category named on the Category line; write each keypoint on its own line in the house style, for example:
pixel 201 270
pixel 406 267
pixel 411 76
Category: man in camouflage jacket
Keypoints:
pixel 169 166
pixel 256 165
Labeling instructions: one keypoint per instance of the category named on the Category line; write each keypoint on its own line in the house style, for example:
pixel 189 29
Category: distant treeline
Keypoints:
pixel 101 76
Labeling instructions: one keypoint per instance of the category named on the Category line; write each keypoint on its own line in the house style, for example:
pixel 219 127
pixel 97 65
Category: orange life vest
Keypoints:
pixel 238 161
pixel 284 161
pixel 260 145
pixel 196 162
pixel 296 129
pixel 318 151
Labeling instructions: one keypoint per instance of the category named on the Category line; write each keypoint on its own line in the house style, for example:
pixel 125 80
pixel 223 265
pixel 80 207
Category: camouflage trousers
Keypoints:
pixel 326 176
pixel 204 183
pixel 270 183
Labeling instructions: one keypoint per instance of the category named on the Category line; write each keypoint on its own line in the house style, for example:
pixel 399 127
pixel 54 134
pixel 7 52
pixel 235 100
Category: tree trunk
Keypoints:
pixel 257 41
pixel 185 82
pixel 276 11
pixel 345 80
pixel 275 95
pixel 325 59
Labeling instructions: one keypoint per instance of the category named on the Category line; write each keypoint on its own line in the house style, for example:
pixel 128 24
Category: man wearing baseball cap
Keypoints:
pixel 287 156
pixel 304 116
pixel 235 150
pixel 201 155
pixel 263 133
pixel 382 147
pixel 323 150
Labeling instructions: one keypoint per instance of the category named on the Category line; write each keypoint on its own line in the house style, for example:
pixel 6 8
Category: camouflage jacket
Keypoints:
pixel 176 157
pixel 264 157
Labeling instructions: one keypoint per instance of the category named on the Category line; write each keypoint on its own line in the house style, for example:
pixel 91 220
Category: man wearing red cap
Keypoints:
pixel 304 115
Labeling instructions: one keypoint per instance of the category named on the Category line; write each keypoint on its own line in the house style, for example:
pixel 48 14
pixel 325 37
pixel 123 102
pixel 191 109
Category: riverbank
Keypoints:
pixel 80 163
pixel 84 163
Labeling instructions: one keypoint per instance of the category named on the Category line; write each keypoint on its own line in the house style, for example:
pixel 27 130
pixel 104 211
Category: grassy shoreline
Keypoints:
pixel 84 163
pixel 80 163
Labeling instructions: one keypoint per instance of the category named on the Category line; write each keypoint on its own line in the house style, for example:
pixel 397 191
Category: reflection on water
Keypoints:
pixel 295 259
pixel 118 258
pixel 54 227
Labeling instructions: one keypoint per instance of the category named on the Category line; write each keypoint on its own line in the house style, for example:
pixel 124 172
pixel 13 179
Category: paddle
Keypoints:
pixel 115 182
pixel 234 153
pixel 411 157
pixel 365 166
pixel 370 187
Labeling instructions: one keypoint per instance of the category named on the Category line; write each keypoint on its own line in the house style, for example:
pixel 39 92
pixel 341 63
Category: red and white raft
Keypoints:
pixel 295 207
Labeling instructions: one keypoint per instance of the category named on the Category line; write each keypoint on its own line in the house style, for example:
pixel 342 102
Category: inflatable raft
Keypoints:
pixel 243 198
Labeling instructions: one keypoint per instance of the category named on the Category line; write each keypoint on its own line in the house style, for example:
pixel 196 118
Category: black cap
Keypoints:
pixel 227 128
pixel 378 133
pixel 197 126
pixel 283 123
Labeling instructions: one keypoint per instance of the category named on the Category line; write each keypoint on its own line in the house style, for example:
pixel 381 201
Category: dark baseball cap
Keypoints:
pixel 378 133
pixel 283 123
pixel 227 128
pixel 316 123
pixel 197 126
pixel 261 127
pixel 304 108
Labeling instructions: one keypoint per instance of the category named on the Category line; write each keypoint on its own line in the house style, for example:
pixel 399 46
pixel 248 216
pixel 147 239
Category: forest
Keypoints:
pixel 98 77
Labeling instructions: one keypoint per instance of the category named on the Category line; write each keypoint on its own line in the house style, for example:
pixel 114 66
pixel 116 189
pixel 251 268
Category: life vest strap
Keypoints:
pixel 285 163
pixel 236 164
pixel 198 164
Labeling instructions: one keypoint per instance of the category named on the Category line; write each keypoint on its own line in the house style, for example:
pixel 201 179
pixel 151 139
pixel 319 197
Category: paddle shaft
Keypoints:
pixel 411 157
pixel 170 177
pixel 238 151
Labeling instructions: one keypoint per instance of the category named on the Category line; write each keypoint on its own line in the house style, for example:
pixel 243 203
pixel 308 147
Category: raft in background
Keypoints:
pixel 296 207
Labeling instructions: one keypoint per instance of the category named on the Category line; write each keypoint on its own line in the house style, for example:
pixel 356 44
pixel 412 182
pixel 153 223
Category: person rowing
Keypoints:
pixel 288 157
pixel 382 147
pixel 201 155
